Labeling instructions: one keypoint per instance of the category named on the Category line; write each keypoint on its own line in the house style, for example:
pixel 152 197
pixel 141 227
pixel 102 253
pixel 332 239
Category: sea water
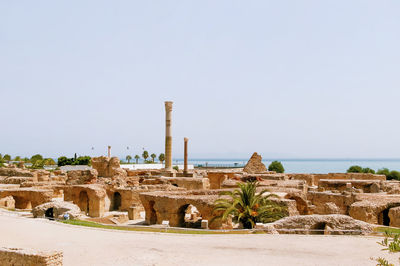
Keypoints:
pixel 318 166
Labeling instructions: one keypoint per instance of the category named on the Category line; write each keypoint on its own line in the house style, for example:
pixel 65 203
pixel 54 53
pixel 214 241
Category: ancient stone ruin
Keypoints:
pixel 255 165
pixel 109 194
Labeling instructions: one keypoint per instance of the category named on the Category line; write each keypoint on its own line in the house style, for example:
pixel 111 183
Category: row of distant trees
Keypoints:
pixel 390 174
pixel 146 156
pixel 36 160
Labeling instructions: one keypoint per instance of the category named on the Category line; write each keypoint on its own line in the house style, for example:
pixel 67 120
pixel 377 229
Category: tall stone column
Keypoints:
pixel 185 160
pixel 109 152
pixel 168 136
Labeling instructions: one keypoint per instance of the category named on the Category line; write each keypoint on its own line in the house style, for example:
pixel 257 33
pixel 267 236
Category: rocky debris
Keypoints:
pixel 7 202
pixel 255 165
pixel 301 202
pixel 15 172
pixel 331 208
pixel 334 224
pixel 79 177
pixel 16 179
pixel 108 167
pixel 372 210
pixel 394 216
pixel 57 209
pixel 28 257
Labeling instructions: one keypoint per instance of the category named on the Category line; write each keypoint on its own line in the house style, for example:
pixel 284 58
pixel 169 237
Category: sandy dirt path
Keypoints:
pixel 89 246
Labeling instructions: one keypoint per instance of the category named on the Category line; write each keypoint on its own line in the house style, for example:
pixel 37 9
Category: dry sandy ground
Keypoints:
pixel 89 246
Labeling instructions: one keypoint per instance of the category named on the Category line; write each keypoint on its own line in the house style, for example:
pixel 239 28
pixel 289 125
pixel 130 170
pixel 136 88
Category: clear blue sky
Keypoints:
pixel 294 79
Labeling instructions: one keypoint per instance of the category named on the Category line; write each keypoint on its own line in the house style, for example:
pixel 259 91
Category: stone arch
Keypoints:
pixel 22 203
pixel 301 203
pixel 84 202
pixel 49 213
pixel 117 199
pixel 189 216
pixel 318 228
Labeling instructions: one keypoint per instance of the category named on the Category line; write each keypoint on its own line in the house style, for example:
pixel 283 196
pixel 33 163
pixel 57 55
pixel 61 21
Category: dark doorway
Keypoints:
pixel 383 217
pixel 117 201
pixel 84 202
pixel 49 213
pixel 318 229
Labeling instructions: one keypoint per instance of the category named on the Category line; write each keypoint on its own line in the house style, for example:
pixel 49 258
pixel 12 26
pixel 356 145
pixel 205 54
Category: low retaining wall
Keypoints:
pixel 29 257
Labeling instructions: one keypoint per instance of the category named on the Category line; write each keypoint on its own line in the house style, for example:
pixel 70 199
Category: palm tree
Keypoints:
pixel 153 156
pixel 128 158
pixel 161 158
pixel 137 157
pixel 247 207
pixel 145 155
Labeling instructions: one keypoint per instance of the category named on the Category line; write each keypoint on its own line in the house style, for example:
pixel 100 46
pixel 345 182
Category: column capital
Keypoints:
pixel 185 139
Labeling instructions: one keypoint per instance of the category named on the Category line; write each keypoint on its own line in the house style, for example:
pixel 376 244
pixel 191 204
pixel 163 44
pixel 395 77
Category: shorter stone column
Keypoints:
pixel 109 152
pixel 185 161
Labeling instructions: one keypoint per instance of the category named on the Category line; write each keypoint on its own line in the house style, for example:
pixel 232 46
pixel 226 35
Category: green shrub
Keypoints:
pixel 36 157
pixel 395 175
pixel 81 160
pixel 176 168
pixel 355 169
pixel 7 157
pixel 368 170
pixel 38 164
pixel 383 171
pixel 276 166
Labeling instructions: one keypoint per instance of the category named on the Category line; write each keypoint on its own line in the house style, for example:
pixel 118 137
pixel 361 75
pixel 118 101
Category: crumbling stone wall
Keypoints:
pixel 108 167
pixel 255 165
pixel 218 177
pixel 89 198
pixel 340 185
pixel 27 198
pixel 79 177
pixel 330 203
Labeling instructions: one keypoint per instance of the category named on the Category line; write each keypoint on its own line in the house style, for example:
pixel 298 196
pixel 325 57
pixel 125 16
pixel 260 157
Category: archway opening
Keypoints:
pixel 189 216
pixel 153 214
pixel 22 203
pixel 175 185
pixel 49 213
pixel 318 229
pixel 117 201
pixel 383 217
pixel 84 202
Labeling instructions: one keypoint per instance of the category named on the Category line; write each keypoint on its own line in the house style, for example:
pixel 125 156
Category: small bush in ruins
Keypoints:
pixel 359 169
pixel 276 166
pixel 247 207
pixel 390 175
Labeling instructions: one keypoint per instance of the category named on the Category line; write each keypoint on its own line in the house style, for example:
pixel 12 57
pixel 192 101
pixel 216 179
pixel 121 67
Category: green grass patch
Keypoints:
pixel 150 229
pixel 388 229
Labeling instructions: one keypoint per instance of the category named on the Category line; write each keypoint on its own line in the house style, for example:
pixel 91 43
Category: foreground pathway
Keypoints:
pixel 89 246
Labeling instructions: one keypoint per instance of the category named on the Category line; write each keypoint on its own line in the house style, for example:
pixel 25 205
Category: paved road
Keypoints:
pixel 89 246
